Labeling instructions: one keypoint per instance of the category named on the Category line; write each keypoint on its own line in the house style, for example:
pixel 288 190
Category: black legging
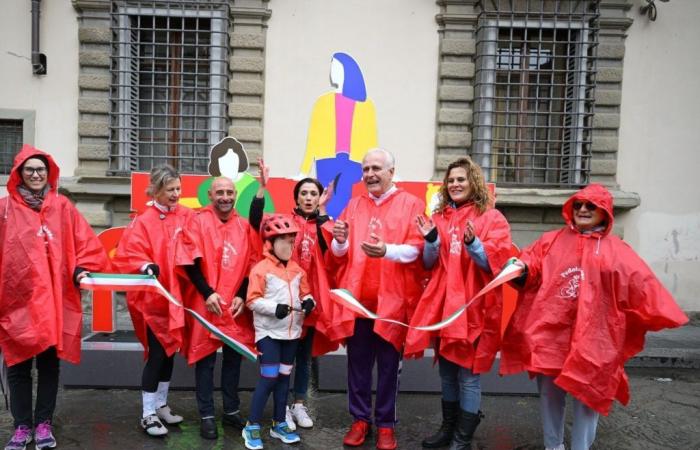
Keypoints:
pixel 19 378
pixel 159 367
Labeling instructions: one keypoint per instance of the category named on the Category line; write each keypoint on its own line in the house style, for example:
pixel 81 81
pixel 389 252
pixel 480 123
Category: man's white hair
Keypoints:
pixel 389 160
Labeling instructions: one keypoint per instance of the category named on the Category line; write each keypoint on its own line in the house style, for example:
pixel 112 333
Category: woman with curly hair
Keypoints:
pixel 467 241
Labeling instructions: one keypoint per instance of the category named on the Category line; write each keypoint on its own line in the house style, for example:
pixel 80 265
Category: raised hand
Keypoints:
pixel 425 226
pixel 469 234
pixel 340 231
pixel 325 198
pixel 263 173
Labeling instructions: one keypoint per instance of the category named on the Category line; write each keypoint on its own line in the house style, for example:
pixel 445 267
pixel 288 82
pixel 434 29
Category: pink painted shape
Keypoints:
pixel 344 109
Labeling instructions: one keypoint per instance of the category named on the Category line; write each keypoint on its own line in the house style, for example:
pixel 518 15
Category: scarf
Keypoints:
pixel 33 199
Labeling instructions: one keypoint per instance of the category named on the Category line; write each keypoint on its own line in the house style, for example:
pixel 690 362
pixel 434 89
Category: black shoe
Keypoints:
pixel 443 436
pixel 235 420
pixel 466 426
pixel 207 429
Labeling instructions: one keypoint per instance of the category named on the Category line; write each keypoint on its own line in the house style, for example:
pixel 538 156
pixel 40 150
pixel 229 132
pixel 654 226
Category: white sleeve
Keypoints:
pixel 339 249
pixel 402 253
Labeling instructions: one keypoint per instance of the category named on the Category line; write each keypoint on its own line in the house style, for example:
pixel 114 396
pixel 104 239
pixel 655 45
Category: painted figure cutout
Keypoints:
pixel 343 127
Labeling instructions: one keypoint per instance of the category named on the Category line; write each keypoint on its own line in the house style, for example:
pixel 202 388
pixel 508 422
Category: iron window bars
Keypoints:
pixel 11 138
pixel 169 83
pixel 534 91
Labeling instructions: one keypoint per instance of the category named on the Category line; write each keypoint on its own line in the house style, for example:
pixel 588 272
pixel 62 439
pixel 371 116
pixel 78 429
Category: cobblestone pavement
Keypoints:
pixel 664 414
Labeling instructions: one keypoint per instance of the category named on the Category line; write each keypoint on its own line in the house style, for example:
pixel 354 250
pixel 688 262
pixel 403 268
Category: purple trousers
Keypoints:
pixel 364 348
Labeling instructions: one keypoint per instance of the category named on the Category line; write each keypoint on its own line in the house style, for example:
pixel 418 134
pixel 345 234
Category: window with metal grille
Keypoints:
pixel 169 83
pixel 534 91
pixel 11 138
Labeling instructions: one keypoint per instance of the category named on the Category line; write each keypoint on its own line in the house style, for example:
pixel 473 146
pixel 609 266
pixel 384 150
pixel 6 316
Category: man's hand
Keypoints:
pixel 374 249
pixel 340 231
pixel 214 303
pixel 236 307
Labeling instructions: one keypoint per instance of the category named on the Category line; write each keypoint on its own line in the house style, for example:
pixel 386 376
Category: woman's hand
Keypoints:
pixel 325 198
pixel 263 173
pixel 425 226
pixel 469 234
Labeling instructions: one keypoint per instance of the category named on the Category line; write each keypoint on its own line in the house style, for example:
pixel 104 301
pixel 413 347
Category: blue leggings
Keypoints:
pixel 276 359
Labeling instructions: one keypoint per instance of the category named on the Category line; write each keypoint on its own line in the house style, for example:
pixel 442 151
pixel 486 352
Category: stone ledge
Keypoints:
pixel 538 197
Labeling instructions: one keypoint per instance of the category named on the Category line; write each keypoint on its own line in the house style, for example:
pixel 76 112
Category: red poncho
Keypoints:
pixel 587 303
pixel 151 238
pixel 308 254
pixel 228 252
pixel 399 288
pixel 39 304
pixel 455 280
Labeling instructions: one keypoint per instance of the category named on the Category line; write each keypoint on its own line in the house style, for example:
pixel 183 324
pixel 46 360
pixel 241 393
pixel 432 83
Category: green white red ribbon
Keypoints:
pixel 128 282
pixel 346 299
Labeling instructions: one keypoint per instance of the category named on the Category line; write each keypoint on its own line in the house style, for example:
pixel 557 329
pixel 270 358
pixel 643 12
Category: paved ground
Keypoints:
pixel 664 414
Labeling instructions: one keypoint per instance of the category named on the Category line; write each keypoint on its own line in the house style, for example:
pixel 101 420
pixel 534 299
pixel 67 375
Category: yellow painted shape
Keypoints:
pixel 190 202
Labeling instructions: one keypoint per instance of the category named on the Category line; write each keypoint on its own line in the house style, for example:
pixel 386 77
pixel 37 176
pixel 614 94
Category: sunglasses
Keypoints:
pixel 589 206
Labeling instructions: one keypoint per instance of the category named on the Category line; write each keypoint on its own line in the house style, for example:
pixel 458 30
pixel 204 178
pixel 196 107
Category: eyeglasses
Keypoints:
pixel 589 206
pixel 29 171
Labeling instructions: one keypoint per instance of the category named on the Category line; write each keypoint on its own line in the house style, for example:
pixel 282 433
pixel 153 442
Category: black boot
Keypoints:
pixel 443 436
pixel 466 425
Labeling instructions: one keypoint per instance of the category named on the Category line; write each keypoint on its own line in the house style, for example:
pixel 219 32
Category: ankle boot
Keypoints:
pixel 466 425
pixel 443 436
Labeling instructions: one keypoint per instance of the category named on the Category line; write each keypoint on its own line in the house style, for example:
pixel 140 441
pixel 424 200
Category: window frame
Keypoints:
pixel 125 101
pixel 486 93
pixel 28 118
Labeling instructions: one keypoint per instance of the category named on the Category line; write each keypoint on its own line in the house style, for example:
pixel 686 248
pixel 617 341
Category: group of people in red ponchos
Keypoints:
pixel 586 301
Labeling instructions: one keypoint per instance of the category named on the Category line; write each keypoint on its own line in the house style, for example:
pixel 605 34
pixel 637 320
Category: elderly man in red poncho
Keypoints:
pixel 376 244
pixel 47 247
pixel 587 301
pixel 217 258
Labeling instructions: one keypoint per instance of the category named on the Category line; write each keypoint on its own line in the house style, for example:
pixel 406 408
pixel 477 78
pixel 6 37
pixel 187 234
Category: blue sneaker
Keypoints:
pixel 251 437
pixel 282 432
pixel 20 439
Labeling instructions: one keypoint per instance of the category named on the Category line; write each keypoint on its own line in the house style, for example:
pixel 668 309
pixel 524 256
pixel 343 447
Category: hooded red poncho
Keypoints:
pixel 228 252
pixel 39 304
pixel 399 285
pixel 308 254
pixel 587 303
pixel 454 280
pixel 152 238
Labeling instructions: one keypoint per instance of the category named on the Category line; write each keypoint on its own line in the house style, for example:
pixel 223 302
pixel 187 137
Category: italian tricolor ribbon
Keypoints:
pixel 128 282
pixel 346 299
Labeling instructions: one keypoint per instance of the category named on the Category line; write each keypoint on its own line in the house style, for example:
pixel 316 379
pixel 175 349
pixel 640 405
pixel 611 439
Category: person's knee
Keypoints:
pixel 270 371
pixel 285 369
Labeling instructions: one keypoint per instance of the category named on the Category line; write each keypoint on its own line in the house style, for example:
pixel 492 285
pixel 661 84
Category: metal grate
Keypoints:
pixel 534 91
pixel 169 83
pixel 11 138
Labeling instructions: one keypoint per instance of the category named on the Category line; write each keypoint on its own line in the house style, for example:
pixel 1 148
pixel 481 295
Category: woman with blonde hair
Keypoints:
pixel 148 247
pixel 467 241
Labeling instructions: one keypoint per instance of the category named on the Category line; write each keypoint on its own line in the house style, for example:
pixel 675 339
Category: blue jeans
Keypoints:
pixel 552 410
pixel 302 368
pixel 276 359
pixel 460 385
pixel 230 375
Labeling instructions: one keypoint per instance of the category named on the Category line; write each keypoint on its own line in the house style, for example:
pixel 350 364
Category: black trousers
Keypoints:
pixel 19 378
pixel 159 367
pixel 230 375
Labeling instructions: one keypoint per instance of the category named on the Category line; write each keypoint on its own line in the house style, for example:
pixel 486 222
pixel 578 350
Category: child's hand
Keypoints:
pixel 308 305
pixel 282 311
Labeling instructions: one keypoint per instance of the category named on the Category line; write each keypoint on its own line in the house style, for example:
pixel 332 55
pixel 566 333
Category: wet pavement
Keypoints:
pixel 664 414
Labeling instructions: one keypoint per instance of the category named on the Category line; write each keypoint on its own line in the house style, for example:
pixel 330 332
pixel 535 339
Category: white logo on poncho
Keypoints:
pixel 44 231
pixel 573 277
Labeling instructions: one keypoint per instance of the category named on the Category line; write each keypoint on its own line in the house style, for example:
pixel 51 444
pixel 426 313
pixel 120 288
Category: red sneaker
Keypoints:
pixel 356 434
pixel 386 439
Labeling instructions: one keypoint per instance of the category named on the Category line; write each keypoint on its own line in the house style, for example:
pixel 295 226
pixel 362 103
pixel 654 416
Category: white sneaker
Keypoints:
pixel 558 447
pixel 290 419
pixel 301 415
pixel 166 415
pixel 153 426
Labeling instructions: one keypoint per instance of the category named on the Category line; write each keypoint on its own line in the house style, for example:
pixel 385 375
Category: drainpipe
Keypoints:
pixel 38 59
